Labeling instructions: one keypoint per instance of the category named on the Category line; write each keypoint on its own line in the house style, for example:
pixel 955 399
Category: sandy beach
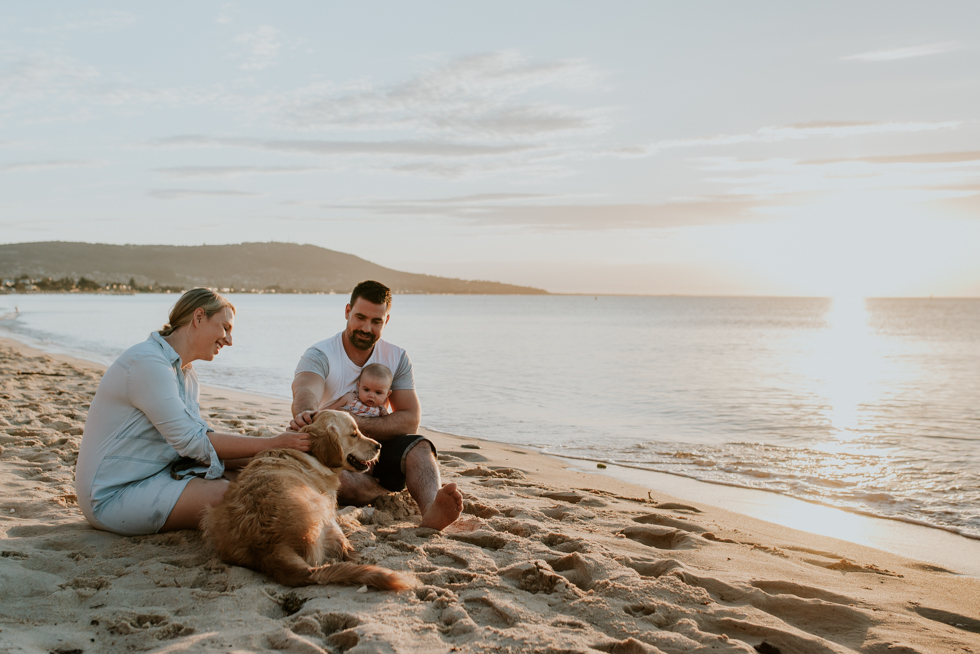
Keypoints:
pixel 547 558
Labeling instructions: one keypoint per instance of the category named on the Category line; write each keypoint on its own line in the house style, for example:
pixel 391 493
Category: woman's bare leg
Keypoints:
pixel 197 494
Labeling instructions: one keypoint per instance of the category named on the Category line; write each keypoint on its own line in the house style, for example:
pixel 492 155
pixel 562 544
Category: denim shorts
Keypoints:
pixel 141 507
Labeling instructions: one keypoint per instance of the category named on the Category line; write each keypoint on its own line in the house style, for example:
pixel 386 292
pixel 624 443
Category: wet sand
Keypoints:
pixel 547 558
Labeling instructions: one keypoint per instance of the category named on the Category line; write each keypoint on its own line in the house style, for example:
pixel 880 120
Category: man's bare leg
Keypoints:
pixel 358 489
pixel 440 505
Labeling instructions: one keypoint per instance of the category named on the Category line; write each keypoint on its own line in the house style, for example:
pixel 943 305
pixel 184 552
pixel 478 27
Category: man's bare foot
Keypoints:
pixel 445 508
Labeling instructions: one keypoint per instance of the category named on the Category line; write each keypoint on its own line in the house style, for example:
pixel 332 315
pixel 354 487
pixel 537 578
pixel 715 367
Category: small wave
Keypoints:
pixel 966 531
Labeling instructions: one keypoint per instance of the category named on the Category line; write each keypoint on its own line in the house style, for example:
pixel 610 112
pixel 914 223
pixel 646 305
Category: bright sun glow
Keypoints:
pixel 847 367
pixel 847 364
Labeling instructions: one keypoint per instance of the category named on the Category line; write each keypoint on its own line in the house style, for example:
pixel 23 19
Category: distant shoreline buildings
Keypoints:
pixel 30 285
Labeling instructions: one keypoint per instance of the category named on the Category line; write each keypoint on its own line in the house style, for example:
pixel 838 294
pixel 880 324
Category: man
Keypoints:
pixel 330 368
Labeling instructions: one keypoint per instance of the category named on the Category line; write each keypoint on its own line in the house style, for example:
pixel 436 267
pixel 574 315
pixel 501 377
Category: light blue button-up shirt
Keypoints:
pixel 145 416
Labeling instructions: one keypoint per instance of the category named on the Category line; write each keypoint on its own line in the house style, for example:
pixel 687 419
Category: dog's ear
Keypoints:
pixel 325 446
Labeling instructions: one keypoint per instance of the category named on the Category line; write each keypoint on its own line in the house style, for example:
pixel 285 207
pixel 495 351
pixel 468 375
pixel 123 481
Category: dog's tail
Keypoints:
pixel 288 568
pixel 355 573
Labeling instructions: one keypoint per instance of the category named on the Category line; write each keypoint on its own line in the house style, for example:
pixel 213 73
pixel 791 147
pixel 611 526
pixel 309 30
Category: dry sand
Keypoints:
pixel 546 559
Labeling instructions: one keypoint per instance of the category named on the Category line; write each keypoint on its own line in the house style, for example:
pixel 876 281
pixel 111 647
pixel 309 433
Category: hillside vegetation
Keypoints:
pixel 284 267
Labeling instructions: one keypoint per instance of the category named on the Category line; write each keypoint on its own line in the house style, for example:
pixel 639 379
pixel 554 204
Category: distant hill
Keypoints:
pixel 288 266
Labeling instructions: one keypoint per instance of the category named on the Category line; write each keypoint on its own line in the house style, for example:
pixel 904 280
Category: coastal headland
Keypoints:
pixel 547 558
pixel 247 267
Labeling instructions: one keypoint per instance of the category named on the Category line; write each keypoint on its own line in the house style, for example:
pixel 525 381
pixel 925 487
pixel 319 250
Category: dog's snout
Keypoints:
pixel 377 447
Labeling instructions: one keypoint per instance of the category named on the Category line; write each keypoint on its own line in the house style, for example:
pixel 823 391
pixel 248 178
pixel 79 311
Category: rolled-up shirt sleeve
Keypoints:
pixel 152 388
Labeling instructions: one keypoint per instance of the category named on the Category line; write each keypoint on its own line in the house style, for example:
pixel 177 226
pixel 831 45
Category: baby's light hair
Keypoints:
pixel 377 371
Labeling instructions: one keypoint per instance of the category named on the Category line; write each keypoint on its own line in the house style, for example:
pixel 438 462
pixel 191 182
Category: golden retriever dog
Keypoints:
pixel 278 516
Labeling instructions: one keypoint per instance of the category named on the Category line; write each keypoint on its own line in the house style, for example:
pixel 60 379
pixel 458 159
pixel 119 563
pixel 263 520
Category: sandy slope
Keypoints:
pixel 546 559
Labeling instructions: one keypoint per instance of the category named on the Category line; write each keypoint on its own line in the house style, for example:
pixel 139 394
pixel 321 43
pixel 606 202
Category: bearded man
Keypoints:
pixel 329 370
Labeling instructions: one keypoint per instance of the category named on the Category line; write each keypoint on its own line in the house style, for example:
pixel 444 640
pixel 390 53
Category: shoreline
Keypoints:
pixel 547 557
pixel 542 292
pixel 927 543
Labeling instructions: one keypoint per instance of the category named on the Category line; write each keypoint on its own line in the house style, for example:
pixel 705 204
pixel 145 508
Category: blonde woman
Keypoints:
pixel 148 462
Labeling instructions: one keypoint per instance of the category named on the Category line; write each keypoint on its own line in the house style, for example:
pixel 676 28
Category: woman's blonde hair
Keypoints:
pixel 197 298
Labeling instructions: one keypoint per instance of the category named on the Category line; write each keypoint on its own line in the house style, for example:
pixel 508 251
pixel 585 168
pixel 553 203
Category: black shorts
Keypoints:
pixel 390 468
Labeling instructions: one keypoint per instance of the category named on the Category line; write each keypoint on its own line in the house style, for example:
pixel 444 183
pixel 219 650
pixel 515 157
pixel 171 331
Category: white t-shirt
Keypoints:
pixel 329 360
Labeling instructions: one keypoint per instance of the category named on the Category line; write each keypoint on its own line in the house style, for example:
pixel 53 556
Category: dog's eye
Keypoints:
pixel 354 435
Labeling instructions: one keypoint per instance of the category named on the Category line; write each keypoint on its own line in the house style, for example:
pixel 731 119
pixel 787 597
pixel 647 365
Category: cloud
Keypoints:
pixel 798 131
pixel 224 16
pixel 926 158
pixel 259 48
pixel 36 166
pixel 190 172
pixel 552 216
pixel 877 180
pixel 339 148
pixel 461 118
pixel 476 97
pixel 39 86
pixel 426 158
pixel 93 21
pixel 477 197
pixel 183 193
pixel 32 76
pixel 904 53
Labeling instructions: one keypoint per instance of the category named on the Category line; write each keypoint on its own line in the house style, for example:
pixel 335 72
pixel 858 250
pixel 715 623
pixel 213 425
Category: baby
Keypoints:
pixel 370 394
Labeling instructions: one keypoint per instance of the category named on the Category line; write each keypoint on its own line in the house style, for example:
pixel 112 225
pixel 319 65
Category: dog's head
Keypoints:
pixel 336 442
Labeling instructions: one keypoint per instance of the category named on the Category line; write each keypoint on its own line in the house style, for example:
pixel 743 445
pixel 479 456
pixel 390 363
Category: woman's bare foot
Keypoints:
pixel 445 508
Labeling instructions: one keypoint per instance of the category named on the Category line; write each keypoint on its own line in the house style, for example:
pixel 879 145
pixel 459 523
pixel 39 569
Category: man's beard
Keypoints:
pixel 362 340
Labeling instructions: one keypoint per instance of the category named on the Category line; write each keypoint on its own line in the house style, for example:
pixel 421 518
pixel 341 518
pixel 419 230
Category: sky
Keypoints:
pixel 695 148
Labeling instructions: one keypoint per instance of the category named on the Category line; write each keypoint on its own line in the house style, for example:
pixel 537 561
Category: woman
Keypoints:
pixel 145 418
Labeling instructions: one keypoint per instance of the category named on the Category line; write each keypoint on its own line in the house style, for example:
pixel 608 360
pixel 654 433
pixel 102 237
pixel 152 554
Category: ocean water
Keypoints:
pixel 867 405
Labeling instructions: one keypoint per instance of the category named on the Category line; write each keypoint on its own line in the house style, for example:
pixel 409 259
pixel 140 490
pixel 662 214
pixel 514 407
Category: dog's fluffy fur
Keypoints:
pixel 278 517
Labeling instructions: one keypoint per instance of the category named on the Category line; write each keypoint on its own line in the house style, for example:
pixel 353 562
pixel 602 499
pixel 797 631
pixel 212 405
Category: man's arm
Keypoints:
pixel 308 388
pixel 405 417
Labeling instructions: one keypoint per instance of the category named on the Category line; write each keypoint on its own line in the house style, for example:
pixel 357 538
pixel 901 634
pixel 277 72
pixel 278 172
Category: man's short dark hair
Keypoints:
pixel 372 291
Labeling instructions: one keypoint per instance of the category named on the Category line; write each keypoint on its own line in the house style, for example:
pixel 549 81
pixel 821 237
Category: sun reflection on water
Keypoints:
pixel 847 365
pixel 847 369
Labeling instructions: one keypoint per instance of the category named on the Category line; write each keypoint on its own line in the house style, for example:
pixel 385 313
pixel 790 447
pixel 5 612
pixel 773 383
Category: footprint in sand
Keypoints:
pixel 515 527
pixel 661 538
pixel 494 473
pixel 485 539
pixel 564 496
pixel 655 569
pixel 142 625
pixel 586 571
pixel 479 509
pixel 810 615
pixel 489 611
pixel 322 625
pixel 668 521
pixel 563 513
pixel 535 577
pixel 564 543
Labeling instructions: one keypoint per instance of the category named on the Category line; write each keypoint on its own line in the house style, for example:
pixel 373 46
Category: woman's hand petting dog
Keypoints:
pixel 295 440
